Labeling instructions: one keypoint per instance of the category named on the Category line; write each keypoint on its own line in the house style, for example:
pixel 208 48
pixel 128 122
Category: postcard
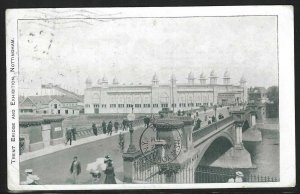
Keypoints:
pixel 150 98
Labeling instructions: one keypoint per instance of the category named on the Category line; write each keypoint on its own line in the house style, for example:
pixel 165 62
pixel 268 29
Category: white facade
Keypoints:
pixel 115 98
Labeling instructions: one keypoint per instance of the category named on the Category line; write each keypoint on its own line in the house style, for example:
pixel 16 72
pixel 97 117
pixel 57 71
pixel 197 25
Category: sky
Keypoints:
pixel 67 51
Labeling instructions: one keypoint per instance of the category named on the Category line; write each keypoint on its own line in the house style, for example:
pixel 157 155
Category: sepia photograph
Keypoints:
pixel 150 96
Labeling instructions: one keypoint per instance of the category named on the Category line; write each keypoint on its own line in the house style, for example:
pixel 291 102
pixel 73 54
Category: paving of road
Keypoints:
pixel 55 168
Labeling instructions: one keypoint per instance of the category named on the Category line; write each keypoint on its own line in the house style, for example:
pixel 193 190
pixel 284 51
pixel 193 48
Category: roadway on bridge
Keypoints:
pixel 55 168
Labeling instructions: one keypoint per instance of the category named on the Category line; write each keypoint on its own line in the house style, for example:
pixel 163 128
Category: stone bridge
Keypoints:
pixel 219 144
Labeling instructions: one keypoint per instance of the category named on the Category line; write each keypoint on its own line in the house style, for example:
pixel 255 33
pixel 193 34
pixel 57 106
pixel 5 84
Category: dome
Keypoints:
pixel 202 76
pixel 242 80
pixel 155 77
pixel 115 81
pixel 88 81
pixel 213 73
pixel 226 74
pixel 191 76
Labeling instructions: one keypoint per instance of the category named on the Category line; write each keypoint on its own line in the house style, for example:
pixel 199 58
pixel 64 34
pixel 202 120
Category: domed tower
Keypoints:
pixel 155 80
pixel 202 79
pixel 213 77
pixel 88 83
pixel 104 81
pixel 226 78
pixel 173 79
pixel 115 81
pixel 191 78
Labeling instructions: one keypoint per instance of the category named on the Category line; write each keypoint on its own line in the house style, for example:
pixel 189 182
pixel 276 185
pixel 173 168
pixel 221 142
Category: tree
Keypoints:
pixel 272 109
pixel 273 94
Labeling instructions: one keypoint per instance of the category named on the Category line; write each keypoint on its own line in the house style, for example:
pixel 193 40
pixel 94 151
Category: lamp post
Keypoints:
pixel 131 117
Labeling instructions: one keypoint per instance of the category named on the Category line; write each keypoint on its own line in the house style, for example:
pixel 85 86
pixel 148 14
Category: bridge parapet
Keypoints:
pixel 202 132
pixel 187 131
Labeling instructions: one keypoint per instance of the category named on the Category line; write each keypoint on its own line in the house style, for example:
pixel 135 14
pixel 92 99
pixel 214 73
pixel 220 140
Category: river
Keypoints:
pixel 265 154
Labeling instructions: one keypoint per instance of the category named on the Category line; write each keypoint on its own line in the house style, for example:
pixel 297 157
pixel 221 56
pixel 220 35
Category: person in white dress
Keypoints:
pixel 239 177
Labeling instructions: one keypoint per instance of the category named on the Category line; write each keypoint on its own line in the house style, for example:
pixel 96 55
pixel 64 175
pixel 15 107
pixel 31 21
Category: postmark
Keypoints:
pixel 161 144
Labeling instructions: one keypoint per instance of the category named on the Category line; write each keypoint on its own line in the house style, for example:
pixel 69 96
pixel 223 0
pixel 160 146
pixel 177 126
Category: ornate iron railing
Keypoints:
pixel 221 175
pixel 145 170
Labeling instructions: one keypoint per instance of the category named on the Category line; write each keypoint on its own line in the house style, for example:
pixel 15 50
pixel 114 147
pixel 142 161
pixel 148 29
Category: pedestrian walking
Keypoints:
pixel 110 173
pixel 75 169
pixel 124 124
pixel 74 132
pixel 213 119
pixel 104 127
pixel 68 136
pixel 198 123
pixel 116 126
pixel 95 131
pixel 178 113
pixel 147 121
pixel 209 121
pixel 109 128
pixel 220 116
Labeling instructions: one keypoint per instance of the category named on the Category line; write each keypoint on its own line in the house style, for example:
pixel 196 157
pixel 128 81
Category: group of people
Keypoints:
pixel 238 178
pixel 211 120
pixel 75 170
pixel 106 128
pixel 197 124
pixel 208 119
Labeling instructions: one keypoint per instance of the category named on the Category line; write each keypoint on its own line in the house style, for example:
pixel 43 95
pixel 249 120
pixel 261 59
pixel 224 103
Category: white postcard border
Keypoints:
pixel 286 90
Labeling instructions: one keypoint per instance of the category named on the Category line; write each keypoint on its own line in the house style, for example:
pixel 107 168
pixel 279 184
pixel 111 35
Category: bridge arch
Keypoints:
pixel 224 137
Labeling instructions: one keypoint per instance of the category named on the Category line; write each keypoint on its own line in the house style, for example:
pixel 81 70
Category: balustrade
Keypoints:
pixel 198 134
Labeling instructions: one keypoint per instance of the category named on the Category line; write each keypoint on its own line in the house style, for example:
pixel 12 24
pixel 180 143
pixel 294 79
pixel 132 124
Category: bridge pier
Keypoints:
pixel 238 134
pixel 252 134
pixel 237 156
